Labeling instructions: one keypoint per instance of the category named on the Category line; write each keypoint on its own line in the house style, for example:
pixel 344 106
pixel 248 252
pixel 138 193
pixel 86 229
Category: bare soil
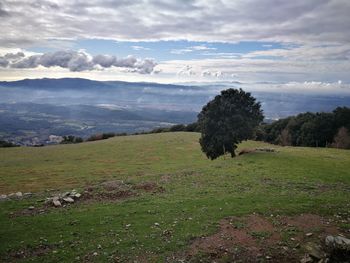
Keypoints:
pixel 256 238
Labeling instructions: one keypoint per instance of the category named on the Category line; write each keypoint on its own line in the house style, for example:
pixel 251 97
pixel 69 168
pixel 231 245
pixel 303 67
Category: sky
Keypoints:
pixel 269 44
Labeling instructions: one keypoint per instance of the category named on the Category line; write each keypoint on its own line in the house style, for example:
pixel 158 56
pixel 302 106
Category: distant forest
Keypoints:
pixel 319 129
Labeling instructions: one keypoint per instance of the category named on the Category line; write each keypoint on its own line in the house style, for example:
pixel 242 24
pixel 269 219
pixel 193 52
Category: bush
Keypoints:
pixel 5 144
pixel 71 139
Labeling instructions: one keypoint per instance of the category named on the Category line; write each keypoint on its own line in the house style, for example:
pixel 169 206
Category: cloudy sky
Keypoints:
pixel 287 44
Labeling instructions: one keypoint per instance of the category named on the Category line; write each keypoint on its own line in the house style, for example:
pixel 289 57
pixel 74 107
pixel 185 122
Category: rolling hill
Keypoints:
pixel 156 198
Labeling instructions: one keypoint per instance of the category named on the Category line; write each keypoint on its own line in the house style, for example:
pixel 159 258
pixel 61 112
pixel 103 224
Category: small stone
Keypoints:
pixel 306 259
pixel 128 225
pixel 68 199
pixel 19 194
pixel 268 257
pixel 156 224
pixel 309 234
pixel 3 197
pixel 95 254
pixel 56 203
pixel 27 194
pixel 65 194
pixel 77 195
pixel 31 207
pixel 99 247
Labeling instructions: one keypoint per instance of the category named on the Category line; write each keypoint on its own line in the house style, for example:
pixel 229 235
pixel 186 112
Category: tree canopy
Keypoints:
pixel 227 120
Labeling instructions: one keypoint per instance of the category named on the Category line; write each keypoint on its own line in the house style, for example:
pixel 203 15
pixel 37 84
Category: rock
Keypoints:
pixel 308 234
pixel 338 242
pixel 3 197
pixel 55 198
pixel 68 199
pixel 95 254
pixel 77 195
pixel 31 207
pixel 56 202
pixel 314 250
pixel 306 259
pixel 27 194
pixel 19 194
pixel 156 224
pixel 11 195
pixel 65 194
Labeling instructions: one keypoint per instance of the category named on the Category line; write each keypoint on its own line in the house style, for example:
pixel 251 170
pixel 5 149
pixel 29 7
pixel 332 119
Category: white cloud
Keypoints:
pixel 140 48
pixel 180 51
pixel 77 61
pixel 314 21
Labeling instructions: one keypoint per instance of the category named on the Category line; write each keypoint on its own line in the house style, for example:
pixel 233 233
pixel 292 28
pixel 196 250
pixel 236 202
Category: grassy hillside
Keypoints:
pixel 154 225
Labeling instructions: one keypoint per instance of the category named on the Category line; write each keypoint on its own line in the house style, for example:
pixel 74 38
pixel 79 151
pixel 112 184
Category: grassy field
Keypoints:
pixel 153 227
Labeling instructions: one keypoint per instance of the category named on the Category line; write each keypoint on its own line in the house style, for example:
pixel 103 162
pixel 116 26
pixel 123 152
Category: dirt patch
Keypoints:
pixel 28 252
pixel 245 151
pixel 149 187
pixel 256 238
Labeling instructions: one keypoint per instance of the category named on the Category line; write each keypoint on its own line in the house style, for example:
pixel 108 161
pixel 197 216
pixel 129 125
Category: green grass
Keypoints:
pixel 198 193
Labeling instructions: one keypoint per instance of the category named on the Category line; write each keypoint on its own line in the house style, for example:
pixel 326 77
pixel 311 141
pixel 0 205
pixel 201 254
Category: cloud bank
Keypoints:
pixel 77 61
pixel 312 21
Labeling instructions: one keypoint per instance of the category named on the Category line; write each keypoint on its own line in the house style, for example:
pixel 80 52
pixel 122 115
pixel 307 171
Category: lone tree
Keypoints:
pixel 226 121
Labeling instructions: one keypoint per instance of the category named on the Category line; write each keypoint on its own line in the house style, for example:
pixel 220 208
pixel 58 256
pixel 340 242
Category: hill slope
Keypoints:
pixel 172 194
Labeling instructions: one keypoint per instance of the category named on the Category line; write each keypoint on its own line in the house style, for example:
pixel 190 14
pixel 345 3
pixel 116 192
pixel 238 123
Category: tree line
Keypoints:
pixel 319 129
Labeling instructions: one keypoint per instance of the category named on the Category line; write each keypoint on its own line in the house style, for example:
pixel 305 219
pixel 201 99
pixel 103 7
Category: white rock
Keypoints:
pixel 77 195
pixel 19 194
pixel 31 207
pixel 56 203
pixel 3 197
pixel 68 199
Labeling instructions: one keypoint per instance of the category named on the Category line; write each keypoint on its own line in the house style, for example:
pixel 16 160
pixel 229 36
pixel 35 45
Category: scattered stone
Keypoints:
pixel 27 194
pixel 31 207
pixel 68 200
pixel 65 194
pixel 56 203
pixel 268 257
pixel 99 247
pixel 19 194
pixel 309 234
pixel 77 195
pixel 266 149
pixel 95 254
pixel 3 197
pixel 156 224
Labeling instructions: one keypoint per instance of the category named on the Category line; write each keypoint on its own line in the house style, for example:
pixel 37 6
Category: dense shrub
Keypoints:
pixel 5 144
pixel 71 139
